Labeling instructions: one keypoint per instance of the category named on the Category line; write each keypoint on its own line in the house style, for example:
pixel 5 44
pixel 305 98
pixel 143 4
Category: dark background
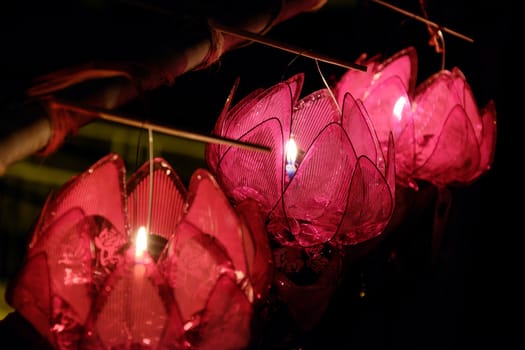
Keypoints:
pixel 470 296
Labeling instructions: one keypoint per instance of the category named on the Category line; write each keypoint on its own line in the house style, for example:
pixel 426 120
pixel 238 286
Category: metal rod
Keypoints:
pixel 120 119
pixel 286 47
pixel 424 20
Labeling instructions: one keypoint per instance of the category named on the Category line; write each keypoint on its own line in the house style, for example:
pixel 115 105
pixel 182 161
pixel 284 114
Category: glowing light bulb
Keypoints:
pixel 291 155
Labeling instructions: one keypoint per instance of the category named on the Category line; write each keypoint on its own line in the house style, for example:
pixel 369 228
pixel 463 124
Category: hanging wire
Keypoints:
pixel 327 86
pixel 424 20
pixel 285 47
pixel 150 196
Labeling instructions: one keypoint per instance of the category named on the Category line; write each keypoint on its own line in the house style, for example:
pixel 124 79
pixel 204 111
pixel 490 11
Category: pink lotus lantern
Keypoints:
pixel 440 134
pixel 115 264
pixel 339 187
pixel 324 185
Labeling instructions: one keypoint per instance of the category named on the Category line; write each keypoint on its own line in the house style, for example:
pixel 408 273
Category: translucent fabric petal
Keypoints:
pixel 168 199
pixel 310 115
pixel 97 191
pixel 488 138
pixel 435 99
pixel 226 321
pixel 389 107
pixel 369 207
pixel 316 196
pixel 275 102
pixel 467 100
pixel 455 156
pixel 245 173
pixel 192 264
pixel 246 245
pixel 121 317
pixel 358 126
pixel 256 249
pixel 402 65
pixel 444 94
pixel 31 302
pixel 205 200
pixel 253 110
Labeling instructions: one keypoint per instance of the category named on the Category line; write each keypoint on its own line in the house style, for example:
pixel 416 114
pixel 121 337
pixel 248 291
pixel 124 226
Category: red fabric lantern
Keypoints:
pixel 84 285
pixel 440 134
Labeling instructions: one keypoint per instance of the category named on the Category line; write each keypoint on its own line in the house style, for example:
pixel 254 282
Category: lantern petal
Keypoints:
pixel 30 295
pixel 455 156
pixel 206 199
pixel 256 248
pixel 370 205
pixel 97 191
pixel 275 102
pixel 226 321
pixel 259 175
pixel 402 65
pixel 360 130
pixel 310 115
pixel 67 278
pixel 316 196
pixel 405 156
pixel 192 263
pixel 389 106
pixel 488 139
pixel 121 318
pixel 168 199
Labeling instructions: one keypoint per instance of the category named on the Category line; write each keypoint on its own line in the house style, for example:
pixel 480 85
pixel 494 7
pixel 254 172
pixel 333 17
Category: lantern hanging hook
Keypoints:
pixel 436 35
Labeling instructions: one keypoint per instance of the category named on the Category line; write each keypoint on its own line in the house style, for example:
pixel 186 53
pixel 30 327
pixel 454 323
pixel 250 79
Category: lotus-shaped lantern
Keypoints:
pixel 86 285
pixel 340 187
pixel 324 185
pixel 440 134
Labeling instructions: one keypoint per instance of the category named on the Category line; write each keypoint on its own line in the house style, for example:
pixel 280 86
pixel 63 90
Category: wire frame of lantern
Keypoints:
pixel 441 135
pixel 85 283
pixel 338 191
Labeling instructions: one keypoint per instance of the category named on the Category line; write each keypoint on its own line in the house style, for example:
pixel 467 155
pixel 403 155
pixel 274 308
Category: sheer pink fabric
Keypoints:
pixel 440 134
pixel 81 286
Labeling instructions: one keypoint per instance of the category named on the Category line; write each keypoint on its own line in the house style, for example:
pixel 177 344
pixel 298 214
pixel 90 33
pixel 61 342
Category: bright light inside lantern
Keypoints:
pixel 291 155
pixel 141 243
pixel 398 108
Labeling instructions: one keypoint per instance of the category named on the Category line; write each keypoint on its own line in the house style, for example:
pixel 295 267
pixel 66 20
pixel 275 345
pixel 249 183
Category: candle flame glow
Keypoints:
pixel 398 108
pixel 141 243
pixel 291 155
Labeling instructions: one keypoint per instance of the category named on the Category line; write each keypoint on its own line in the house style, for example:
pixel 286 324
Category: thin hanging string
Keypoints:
pixel 327 86
pixel 286 47
pixel 150 196
pixel 424 20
